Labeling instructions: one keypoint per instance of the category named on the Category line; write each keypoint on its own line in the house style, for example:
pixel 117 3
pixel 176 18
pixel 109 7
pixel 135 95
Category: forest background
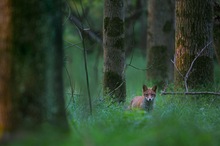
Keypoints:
pixel 96 119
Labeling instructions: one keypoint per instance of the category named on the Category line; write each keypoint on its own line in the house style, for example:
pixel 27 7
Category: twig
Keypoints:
pixel 72 92
pixel 129 64
pixel 115 88
pixel 174 63
pixel 69 12
pixel 143 69
pixel 73 45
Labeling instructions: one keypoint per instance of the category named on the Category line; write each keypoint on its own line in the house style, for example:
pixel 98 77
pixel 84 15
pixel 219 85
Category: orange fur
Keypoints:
pixel 146 101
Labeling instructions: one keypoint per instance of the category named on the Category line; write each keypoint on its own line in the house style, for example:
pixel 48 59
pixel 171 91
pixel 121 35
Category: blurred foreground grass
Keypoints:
pixel 174 121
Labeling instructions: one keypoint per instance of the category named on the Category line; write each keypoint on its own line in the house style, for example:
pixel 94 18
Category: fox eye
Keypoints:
pixel 152 95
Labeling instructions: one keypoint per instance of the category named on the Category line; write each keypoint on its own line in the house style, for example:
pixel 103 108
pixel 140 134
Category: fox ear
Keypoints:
pixel 154 88
pixel 144 88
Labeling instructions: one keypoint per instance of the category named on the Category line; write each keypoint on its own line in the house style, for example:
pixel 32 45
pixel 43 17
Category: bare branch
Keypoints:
pixel 74 20
pixel 129 64
pixel 190 93
pixel 73 45
pixel 115 88
pixel 69 12
pixel 187 76
pixel 174 63
pixel 143 69
pixel 191 65
pixel 190 68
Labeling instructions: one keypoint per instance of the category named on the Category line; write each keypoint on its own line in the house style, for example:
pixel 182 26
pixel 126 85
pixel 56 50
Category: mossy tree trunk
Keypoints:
pixel 38 58
pixel 5 68
pixel 193 32
pixel 160 41
pixel 216 30
pixel 114 53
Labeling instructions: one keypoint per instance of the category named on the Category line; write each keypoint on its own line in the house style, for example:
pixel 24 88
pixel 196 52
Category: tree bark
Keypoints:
pixel 216 29
pixel 114 53
pixel 160 41
pixel 193 32
pixel 5 68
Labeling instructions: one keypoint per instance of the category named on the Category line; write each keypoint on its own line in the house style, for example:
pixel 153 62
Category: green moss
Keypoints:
pixel 157 56
pixel 112 81
pixel 201 75
pixel 117 3
pixel 167 26
pixel 113 27
pixel 120 44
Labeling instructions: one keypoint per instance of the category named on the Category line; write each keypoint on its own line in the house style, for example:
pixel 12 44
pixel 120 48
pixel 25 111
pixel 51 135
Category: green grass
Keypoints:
pixel 174 121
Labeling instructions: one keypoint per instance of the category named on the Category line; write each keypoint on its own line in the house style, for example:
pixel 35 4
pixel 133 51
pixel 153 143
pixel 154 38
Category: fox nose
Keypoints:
pixel 149 99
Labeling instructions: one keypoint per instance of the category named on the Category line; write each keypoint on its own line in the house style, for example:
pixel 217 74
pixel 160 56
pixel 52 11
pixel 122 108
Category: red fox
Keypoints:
pixel 146 101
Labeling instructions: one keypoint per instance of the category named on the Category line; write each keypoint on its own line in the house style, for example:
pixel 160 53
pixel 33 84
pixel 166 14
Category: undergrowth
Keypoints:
pixel 174 121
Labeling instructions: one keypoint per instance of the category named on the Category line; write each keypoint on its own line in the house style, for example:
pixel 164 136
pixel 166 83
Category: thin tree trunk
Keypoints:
pixel 193 32
pixel 160 41
pixel 114 53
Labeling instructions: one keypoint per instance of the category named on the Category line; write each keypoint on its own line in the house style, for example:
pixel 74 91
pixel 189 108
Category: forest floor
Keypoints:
pixel 176 120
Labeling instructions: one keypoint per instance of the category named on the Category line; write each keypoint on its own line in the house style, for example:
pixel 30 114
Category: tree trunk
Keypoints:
pixel 5 68
pixel 114 53
pixel 38 58
pixel 160 41
pixel 216 30
pixel 55 62
pixel 143 23
pixel 193 32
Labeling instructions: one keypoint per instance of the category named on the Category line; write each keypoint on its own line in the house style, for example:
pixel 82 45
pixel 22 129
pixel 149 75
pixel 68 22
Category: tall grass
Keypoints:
pixel 174 121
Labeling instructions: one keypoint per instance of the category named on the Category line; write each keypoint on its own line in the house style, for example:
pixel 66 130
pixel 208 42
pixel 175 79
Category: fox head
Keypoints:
pixel 146 101
pixel 149 93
